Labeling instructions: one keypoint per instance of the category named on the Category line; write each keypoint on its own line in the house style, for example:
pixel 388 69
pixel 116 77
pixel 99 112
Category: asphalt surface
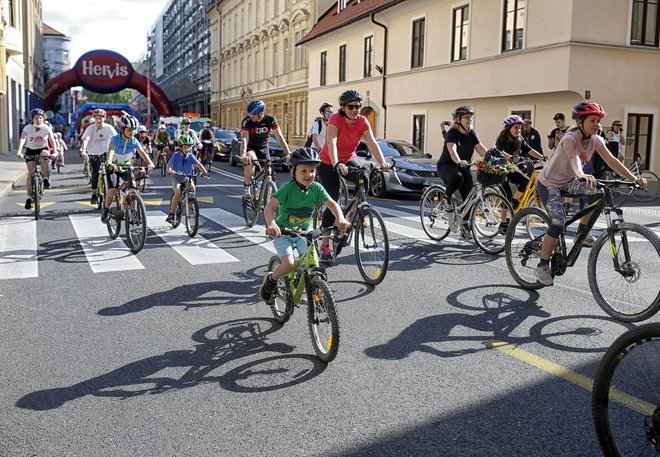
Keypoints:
pixel 175 358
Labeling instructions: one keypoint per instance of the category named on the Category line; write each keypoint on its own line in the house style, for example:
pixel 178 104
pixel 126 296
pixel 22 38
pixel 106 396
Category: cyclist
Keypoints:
pixel 207 137
pixel 295 202
pixel 186 130
pixel 453 166
pixel 564 172
pixel 182 161
pixel 142 135
pixel 60 147
pixel 319 129
pixel 345 129
pixel 121 151
pixel 95 141
pixel 35 137
pixel 171 131
pixel 256 128
pixel 163 141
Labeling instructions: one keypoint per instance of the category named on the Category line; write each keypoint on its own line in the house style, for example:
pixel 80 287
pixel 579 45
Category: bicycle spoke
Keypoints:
pixel 372 250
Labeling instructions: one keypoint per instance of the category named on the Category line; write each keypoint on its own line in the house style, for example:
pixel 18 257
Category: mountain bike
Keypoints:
pixel 623 266
pixel 37 188
pixel 128 206
pixel 372 245
pixel 626 394
pixel 307 285
pixel 101 186
pixel 188 206
pixel 207 154
pixel 483 207
pixel 262 188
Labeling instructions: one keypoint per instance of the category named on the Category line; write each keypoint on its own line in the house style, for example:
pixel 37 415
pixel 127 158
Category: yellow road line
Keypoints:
pixel 41 204
pixel 550 367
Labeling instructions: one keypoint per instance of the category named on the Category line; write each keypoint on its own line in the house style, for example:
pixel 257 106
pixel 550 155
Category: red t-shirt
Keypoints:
pixel 348 138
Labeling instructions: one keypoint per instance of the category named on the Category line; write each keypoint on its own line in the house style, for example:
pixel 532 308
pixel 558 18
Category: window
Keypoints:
pixel 11 13
pixel 286 55
pixel 644 28
pixel 514 20
pixel 368 56
pixel 275 72
pixel 324 67
pixel 342 63
pixel 460 29
pixel 418 43
pixel 639 138
pixel 341 4
pixel 419 121
pixel 523 113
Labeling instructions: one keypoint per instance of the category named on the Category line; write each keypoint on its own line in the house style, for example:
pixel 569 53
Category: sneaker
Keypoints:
pixel 246 192
pixel 588 241
pixel 465 232
pixel 46 184
pixel 544 275
pixel 104 216
pixel 267 288
pixel 28 203
pixel 504 226
pixel 326 255
pixel 447 206
pixel 93 200
pixel 170 218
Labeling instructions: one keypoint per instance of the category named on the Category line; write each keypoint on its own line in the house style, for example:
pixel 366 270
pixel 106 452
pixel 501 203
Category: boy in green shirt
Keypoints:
pixel 296 201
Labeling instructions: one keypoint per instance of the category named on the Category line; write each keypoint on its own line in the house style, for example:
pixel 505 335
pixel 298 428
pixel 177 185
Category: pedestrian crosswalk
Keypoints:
pixel 20 251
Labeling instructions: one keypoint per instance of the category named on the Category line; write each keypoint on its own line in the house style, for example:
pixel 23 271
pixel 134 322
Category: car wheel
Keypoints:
pixel 377 184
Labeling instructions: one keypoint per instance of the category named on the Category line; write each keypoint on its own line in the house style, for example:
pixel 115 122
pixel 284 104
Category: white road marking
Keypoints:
pixel 18 248
pixel 236 224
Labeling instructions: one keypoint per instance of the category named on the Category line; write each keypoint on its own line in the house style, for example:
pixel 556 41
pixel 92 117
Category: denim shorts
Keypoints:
pixel 284 245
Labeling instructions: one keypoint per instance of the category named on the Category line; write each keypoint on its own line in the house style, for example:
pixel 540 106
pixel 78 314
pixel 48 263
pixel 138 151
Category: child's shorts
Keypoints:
pixel 284 245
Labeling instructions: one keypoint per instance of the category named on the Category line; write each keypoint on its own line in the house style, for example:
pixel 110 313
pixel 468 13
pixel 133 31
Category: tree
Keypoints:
pixel 124 96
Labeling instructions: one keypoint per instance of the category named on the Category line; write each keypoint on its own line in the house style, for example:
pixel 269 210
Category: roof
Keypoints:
pixel 354 11
pixel 48 30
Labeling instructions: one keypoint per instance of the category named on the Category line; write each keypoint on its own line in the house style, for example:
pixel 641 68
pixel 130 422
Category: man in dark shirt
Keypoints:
pixel 532 136
pixel 557 133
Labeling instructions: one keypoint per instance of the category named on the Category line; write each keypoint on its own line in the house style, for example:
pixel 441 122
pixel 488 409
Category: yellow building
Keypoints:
pixel 253 55
pixel 416 60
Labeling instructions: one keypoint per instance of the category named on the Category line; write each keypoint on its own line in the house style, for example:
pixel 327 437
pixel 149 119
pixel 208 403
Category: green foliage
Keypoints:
pixel 124 96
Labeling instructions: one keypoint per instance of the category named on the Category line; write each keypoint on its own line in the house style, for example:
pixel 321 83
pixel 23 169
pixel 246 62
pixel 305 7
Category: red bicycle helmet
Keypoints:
pixel 584 109
pixel 99 112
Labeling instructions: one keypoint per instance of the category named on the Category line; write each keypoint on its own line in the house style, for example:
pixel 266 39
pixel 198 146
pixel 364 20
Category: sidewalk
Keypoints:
pixel 12 170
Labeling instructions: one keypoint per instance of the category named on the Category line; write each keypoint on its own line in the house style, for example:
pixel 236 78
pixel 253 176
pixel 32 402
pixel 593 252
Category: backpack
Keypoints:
pixel 309 142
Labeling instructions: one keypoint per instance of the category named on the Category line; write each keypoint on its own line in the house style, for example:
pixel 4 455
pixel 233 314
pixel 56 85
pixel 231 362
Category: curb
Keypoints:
pixel 8 184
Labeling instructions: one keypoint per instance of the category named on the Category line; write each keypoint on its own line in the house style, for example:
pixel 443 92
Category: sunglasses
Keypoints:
pixel 353 107
pixel 328 113
pixel 617 125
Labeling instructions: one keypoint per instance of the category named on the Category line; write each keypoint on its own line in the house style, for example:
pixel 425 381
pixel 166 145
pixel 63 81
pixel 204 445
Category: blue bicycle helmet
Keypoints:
pixel 255 107
pixel 37 112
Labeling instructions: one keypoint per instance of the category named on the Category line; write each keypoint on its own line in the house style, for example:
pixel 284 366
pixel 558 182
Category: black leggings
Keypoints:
pixel 330 180
pixel 518 179
pixel 95 163
pixel 456 178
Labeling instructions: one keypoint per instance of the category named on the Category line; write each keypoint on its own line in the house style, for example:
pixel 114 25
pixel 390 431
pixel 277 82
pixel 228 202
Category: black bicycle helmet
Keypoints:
pixel 349 96
pixel 462 111
pixel 255 107
pixel 324 107
pixel 304 155
pixel 185 121
pixel 36 112
pixel 128 122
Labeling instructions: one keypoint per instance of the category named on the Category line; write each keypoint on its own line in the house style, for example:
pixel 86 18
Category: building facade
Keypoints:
pixel 57 49
pixel 253 55
pixel 178 48
pixel 416 60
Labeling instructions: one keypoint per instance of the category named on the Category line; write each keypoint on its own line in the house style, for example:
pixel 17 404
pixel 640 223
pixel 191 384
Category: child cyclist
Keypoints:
pixel 295 201
pixel 564 171
pixel 182 161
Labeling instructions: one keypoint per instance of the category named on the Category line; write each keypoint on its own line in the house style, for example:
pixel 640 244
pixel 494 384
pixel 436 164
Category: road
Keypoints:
pixel 161 354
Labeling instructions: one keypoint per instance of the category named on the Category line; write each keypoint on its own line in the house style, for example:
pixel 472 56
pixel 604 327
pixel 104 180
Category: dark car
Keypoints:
pixel 276 153
pixel 413 168
pixel 224 139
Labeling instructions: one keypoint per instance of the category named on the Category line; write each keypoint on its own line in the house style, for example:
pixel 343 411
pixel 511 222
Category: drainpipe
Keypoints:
pixel 384 73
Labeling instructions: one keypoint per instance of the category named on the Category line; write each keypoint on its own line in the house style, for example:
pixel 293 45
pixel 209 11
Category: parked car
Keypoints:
pixel 413 168
pixel 224 139
pixel 276 153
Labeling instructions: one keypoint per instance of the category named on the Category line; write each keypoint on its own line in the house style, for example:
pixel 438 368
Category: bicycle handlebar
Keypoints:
pixel 309 236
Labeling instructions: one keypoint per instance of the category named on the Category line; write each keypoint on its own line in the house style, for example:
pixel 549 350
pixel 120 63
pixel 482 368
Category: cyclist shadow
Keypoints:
pixel 218 346
pixel 363 290
pixel 198 295
pixel 500 314
pixel 403 259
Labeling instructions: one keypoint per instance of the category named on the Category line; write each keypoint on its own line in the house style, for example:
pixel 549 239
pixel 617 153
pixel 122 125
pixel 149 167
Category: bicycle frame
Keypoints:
pixel 355 207
pixel 297 278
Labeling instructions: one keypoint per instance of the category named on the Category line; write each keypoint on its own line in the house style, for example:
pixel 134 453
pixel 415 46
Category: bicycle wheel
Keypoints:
pixel 136 223
pixel 36 195
pixel 114 220
pixel 267 194
pixel 487 222
pixel 192 216
pixel 625 400
pixel 322 319
pixel 251 206
pixel 100 201
pixel 372 246
pixel 653 187
pixel 317 215
pixel 435 221
pixel 522 247
pixel 163 164
pixel 281 306
pixel 179 211
pixel 633 293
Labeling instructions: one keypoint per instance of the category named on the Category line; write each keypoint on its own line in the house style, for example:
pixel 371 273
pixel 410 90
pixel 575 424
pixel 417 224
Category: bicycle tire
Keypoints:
pixel 522 251
pixel 192 216
pixel 486 222
pixel 267 194
pixel 179 211
pixel 281 305
pixel 36 196
pixel 322 320
pixel 136 223
pixel 251 206
pixel 372 252
pixel 435 221
pixel 653 187
pixel 101 189
pixel 163 164
pixel 114 221
pixel 624 400
pixel 614 292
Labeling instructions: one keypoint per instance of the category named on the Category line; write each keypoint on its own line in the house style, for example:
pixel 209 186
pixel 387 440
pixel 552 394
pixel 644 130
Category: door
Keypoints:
pixel 638 138
pixel 370 114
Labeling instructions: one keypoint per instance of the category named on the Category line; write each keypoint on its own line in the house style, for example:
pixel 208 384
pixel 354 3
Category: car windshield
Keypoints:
pixel 407 150
pixel 225 134
pixel 272 141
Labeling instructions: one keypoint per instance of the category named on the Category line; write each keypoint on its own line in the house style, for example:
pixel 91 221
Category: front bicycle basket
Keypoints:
pixel 492 170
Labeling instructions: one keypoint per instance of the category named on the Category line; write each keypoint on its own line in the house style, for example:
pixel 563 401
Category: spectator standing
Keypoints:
pixel 558 132
pixel 532 136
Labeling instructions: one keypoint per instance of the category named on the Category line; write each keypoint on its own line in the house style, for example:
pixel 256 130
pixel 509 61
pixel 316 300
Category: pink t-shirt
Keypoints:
pixel 348 138
pixel 558 172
